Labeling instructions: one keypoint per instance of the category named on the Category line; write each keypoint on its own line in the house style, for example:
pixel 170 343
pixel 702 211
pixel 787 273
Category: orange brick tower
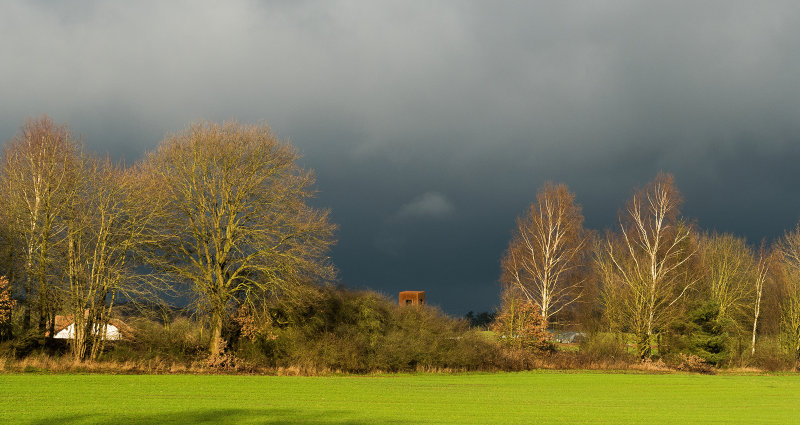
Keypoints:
pixel 412 298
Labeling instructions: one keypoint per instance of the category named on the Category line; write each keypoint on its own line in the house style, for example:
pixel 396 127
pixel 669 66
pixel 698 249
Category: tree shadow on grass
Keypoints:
pixel 219 416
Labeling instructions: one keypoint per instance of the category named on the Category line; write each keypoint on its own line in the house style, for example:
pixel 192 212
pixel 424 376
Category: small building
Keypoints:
pixel 115 329
pixel 412 298
pixel 567 337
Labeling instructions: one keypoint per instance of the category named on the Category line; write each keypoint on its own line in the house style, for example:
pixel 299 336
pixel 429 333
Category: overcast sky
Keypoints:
pixel 431 125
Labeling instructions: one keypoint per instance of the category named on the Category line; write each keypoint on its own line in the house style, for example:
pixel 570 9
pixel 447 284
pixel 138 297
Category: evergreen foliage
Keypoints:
pixel 705 334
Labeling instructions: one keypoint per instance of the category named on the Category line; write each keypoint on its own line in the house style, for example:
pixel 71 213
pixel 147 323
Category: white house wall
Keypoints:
pixel 112 333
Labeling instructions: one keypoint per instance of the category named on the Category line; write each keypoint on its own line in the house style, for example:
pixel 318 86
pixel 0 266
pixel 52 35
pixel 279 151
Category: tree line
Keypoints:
pixel 217 216
pixel 217 213
pixel 656 278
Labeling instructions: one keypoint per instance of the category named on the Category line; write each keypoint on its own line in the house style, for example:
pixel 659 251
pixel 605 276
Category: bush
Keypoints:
pixel 520 325
pixel 771 356
pixel 180 341
pixel 7 305
pixel 28 343
pixel 361 331
pixel 702 334
pixel 605 347
pixel 424 338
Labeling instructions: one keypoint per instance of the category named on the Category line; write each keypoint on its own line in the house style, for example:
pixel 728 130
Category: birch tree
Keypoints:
pixel 645 267
pixel 38 176
pixel 236 223
pixel 546 251
pixel 759 278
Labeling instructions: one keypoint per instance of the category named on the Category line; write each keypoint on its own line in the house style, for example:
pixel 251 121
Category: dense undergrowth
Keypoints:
pixel 341 331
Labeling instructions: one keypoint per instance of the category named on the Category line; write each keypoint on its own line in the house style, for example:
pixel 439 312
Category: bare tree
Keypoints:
pixel 547 250
pixel 759 278
pixel 38 175
pixel 729 269
pixel 645 268
pixel 105 223
pixel 788 252
pixel 236 223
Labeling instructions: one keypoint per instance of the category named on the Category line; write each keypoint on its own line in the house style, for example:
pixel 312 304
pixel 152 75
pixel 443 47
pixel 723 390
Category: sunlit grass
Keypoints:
pixel 530 397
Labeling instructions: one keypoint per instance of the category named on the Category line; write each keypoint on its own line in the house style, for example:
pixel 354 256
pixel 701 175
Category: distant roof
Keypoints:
pixel 62 323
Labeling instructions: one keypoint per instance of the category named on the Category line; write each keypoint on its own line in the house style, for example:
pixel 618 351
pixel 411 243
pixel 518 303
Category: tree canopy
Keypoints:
pixel 235 223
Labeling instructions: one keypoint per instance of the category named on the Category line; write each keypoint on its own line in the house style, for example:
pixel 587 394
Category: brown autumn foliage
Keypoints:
pixel 252 326
pixel 7 305
pixel 520 324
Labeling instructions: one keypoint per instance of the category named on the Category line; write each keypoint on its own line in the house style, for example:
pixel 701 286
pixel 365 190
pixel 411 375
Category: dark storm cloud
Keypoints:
pixel 431 126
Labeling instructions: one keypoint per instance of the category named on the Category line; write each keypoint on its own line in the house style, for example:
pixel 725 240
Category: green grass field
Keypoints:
pixel 503 398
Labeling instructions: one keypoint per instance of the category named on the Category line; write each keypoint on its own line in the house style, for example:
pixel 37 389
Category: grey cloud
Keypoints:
pixel 427 205
pixel 482 101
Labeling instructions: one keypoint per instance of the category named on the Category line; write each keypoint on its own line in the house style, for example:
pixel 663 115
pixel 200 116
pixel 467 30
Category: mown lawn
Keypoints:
pixel 503 398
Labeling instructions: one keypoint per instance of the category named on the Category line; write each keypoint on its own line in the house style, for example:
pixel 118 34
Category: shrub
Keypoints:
pixel 605 347
pixel 182 340
pixel 702 334
pixel 771 356
pixel 27 344
pixel 520 325
pixel 693 363
pixel 6 309
pixel 361 331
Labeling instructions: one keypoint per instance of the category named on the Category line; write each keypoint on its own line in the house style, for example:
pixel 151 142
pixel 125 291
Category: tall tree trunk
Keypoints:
pixel 99 343
pixel 44 291
pixel 644 345
pixel 216 344
pixel 26 316
pixel 26 311
pixel 79 339
pixel 760 278
pixel 51 320
pixel 755 322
